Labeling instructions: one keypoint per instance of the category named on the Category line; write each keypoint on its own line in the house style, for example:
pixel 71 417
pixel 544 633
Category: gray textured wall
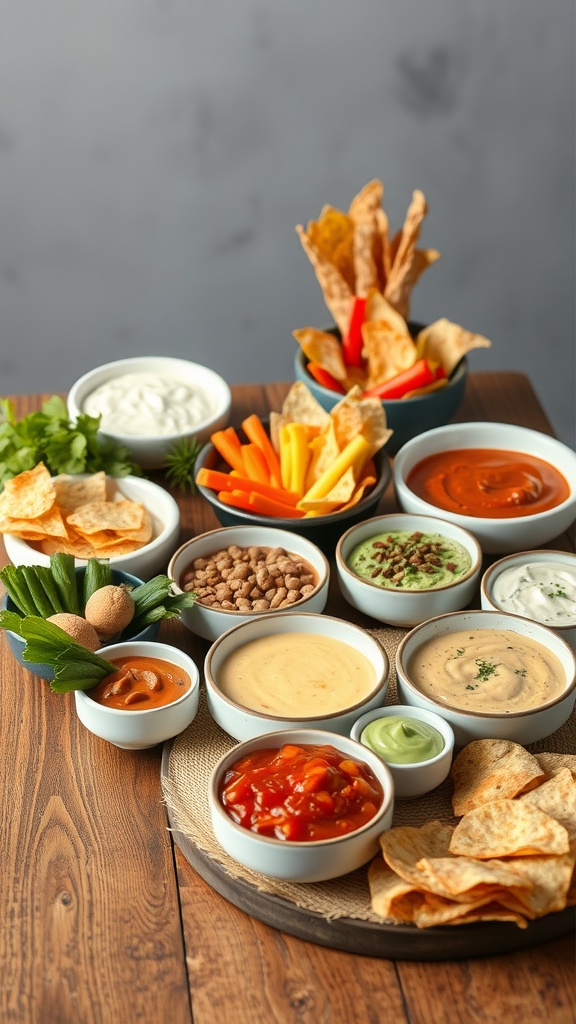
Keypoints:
pixel 155 156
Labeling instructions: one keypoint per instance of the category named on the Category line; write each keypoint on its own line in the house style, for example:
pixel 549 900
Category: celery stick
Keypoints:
pixel 63 571
pixel 36 591
pixel 46 579
pixel 17 589
pixel 98 574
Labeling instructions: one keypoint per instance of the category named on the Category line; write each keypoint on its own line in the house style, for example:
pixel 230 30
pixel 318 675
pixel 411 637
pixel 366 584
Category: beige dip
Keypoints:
pixel 296 675
pixel 494 670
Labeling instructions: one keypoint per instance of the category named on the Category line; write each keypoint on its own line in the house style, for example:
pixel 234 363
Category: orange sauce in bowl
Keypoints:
pixel 489 483
pixel 140 684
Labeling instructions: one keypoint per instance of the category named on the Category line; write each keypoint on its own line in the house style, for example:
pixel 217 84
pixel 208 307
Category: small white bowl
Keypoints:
pixel 488 600
pixel 209 622
pixel 149 450
pixel 138 730
pixel 146 561
pixel 301 861
pixel 243 723
pixel 520 726
pixel 500 535
pixel 404 607
pixel 412 780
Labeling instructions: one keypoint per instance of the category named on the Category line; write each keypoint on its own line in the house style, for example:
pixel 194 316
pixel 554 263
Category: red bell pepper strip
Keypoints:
pixel 321 376
pixel 352 341
pixel 417 376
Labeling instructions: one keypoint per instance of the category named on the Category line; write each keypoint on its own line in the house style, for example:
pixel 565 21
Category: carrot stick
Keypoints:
pixel 218 481
pixel 226 447
pixel 255 432
pixel 259 504
pixel 255 463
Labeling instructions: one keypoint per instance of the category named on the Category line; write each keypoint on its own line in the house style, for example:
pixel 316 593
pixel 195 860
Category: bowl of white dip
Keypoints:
pixel 539 585
pixel 297 671
pixel 148 403
pixel 490 674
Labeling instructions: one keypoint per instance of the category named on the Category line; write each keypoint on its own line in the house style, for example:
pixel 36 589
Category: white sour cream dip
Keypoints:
pixel 544 591
pixel 148 404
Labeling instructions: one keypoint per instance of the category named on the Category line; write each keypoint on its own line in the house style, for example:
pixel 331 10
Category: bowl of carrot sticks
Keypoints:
pixel 305 470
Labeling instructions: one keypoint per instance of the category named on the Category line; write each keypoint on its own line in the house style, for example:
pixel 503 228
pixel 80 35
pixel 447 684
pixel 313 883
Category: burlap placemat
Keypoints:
pixel 185 787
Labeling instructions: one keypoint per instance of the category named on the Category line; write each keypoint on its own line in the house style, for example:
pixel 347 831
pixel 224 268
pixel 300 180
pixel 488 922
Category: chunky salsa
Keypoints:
pixel 488 482
pixel 308 792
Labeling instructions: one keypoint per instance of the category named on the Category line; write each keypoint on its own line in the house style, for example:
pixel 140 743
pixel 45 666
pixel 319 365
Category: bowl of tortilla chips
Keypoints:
pixel 130 521
pixel 367 275
pixel 331 469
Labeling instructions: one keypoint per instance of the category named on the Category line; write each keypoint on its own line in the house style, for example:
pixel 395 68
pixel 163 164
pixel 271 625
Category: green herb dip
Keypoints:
pixel 409 561
pixel 402 740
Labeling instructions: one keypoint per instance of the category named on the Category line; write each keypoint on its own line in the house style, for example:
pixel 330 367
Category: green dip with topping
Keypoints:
pixel 409 561
pixel 401 740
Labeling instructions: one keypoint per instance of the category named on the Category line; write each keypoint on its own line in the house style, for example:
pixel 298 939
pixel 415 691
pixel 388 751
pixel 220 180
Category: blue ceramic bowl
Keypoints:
pixel 43 671
pixel 407 417
pixel 324 531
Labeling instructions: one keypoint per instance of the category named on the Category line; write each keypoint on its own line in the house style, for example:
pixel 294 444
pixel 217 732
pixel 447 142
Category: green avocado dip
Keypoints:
pixel 402 740
pixel 409 561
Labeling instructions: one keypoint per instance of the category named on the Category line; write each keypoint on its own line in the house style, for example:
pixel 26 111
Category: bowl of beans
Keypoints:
pixel 240 573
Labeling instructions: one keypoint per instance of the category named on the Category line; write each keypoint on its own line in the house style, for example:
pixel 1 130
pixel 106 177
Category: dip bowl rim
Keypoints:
pixel 526 624
pixel 313 737
pixel 380 687
pixel 493 571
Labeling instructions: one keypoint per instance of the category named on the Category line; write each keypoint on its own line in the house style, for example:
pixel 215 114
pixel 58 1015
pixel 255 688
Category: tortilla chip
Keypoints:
pixel 74 544
pixel 50 524
pixel 333 236
pixel 400 279
pixel 354 415
pixel 391 897
pixel 107 515
pixel 506 828
pixel 491 769
pixel 436 911
pixel 73 491
pixel 553 763
pixel 546 882
pixel 446 343
pixel 363 209
pixel 387 352
pixel 28 495
pixel 300 406
pixel 322 348
pixel 338 295
pixel 403 847
pixel 557 797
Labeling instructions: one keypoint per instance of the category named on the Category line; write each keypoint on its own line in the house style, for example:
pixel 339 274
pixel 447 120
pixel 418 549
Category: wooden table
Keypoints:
pixel 103 920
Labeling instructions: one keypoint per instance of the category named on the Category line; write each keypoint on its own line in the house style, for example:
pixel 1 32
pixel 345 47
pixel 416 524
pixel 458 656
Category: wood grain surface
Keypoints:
pixel 103 920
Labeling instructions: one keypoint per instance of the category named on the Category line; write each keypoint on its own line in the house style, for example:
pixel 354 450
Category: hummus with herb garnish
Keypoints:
pixel 545 591
pixel 409 561
pixel 493 670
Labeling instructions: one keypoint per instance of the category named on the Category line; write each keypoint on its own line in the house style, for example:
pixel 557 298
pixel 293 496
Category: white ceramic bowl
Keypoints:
pixel 412 780
pixel 137 730
pixel 520 726
pixel 301 861
pixel 146 561
pixel 404 607
pixel 497 536
pixel 209 622
pixel 243 723
pixel 149 450
pixel 488 600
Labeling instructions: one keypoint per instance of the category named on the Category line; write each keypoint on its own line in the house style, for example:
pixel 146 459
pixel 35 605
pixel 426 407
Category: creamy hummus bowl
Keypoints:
pixel 539 584
pixel 490 674
pixel 403 569
pixel 295 671
pixel 309 859
pixel 149 402
pixel 240 573
pixel 512 487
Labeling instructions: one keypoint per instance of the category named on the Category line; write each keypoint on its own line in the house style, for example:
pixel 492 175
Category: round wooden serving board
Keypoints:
pixel 353 935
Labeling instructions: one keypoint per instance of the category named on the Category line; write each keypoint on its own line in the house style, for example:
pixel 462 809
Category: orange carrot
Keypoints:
pixel 227 448
pixel 255 463
pixel 217 481
pixel 255 432
pixel 259 504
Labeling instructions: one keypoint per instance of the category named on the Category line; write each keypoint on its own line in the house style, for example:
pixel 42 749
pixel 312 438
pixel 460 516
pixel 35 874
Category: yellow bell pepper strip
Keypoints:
pixel 300 455
pixel 416 376
pixel 356 453
pixel 321 376
pixel 285 457
pixel 352 340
